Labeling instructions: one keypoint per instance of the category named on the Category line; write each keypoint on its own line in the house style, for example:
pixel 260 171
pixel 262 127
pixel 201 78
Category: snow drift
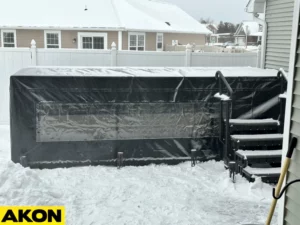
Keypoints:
pixel 148 195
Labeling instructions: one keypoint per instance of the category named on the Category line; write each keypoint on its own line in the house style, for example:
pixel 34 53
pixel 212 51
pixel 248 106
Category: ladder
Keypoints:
pixel 251 147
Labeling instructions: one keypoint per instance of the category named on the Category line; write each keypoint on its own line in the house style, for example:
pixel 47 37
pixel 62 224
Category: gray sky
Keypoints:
pixel 225 10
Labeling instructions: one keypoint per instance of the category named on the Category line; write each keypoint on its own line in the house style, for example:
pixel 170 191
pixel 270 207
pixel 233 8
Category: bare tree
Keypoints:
pixel 206 21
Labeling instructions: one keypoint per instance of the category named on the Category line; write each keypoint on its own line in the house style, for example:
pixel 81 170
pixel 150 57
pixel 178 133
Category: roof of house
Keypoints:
pixel 214 26
pixel 222 34
pixel 252 28
pixel 255 6
pixel 133 15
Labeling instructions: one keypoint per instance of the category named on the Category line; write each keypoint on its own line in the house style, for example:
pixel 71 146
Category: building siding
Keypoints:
pixel 24 38
pixel 292 203
pixel 67 39
pixel 68 36
pixel 198 39
pixel 279 17
pixel 151 41
pixel 112 36
pixel 150 38
pixel 125 40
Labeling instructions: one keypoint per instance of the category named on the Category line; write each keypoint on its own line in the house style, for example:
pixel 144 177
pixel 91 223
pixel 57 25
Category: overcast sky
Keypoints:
pixel 225 10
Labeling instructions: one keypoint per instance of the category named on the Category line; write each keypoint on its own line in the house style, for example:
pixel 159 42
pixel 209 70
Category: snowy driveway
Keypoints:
pixel 202 195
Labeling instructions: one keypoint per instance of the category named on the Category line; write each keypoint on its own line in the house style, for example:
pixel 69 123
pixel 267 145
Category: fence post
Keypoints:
pixel 113 59
pixel 258 63
pixel 188 55
pixel 33 53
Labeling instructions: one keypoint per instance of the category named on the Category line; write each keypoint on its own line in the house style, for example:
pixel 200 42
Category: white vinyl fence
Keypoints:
pixel 14 59
pixel 223 59
pixel 11 60
pixel 157 59
pixel 207 48
pixel 72 57
pixel 113 57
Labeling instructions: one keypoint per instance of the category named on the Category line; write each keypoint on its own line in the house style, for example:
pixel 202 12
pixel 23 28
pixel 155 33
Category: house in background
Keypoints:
pixel 137 25
pixel 212 27
pixel 248 33
pixel 221 38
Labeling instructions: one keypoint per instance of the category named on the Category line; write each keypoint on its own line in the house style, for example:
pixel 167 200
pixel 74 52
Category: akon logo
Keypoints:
pixel 32 215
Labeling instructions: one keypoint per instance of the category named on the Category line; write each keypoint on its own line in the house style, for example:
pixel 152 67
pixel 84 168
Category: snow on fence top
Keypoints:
pixel 134 15
pixel 146 71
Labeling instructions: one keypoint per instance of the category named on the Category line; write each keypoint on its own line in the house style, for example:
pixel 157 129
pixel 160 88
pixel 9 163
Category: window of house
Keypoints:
pixel 52 39
pixel 136 41
pixel 159 41
pixel 92 40
pixel 8 38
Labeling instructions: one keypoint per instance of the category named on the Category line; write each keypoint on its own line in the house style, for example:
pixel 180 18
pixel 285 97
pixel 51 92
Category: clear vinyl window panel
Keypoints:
pixel 58 122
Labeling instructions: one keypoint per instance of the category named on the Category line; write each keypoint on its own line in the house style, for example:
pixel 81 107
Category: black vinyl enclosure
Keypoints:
pixel 85 116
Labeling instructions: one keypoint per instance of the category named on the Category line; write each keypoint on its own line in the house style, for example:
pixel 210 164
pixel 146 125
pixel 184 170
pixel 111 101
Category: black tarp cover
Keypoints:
pixel 69 116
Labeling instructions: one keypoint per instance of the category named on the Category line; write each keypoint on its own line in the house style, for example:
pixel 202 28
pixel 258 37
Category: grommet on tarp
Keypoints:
pixel 120 161
pixel 193 157
pixel 23 161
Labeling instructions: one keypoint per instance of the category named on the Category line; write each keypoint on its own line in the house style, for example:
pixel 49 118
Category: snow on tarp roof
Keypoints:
pixel 146 71
pixel 251 26
pixel 139 15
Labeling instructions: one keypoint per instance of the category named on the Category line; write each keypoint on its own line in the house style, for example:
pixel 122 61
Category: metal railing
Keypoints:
pixel 220 77
pixel 227 145
pixel 224 87
pixel 282 75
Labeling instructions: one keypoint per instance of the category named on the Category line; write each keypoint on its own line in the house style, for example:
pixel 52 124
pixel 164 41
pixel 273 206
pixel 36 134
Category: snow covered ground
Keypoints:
pixel 202 195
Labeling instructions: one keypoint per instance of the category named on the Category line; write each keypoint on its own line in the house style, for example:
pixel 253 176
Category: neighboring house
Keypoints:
pixel 137 25
pixel 248 33
pixel 212 27
pixel 221 38
pixel 282 50
pixel 277 30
